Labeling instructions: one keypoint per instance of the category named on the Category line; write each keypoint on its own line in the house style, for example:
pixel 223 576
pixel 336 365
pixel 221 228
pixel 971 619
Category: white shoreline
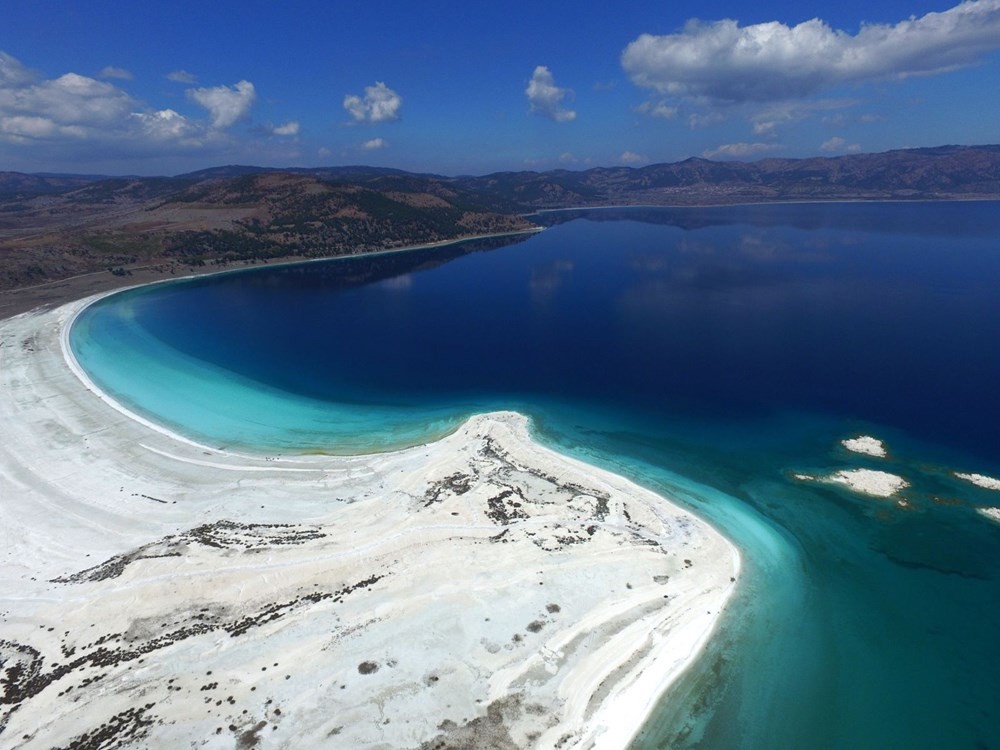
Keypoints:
pixel 496 584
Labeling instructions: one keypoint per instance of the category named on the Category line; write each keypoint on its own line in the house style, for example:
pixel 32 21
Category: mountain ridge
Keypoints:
pixel 930 172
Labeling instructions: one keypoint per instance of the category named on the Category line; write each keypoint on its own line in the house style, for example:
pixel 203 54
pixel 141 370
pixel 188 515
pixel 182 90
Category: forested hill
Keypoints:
pixel 117 224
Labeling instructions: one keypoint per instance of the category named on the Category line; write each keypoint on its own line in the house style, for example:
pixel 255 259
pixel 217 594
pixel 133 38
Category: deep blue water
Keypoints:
pixel 707 353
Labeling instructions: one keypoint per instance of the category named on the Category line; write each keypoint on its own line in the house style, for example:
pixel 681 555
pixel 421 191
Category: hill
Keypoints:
pixel 184 222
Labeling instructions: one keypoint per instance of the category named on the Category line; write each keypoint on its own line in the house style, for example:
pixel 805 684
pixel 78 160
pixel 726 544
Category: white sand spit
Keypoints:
pixel 156 593
pixel 865 444
pixel 992 513
pixel 868 481
pixel 980 480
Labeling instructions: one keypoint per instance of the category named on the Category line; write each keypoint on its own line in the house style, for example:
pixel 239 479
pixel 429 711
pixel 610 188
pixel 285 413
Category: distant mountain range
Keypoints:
pixel 924 173
pixel 53 226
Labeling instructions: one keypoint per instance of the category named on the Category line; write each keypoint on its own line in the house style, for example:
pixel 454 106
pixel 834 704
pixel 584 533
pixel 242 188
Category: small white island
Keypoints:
pixel 980 480
pixel 863 481
pixel 865 444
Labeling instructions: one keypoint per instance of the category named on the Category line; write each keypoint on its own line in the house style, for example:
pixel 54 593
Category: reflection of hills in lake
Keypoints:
pixel 712 354
pixel 870 217
pixel 348 272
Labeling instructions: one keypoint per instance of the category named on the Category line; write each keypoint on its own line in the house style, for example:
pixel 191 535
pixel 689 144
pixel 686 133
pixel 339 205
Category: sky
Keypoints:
pixel 472 88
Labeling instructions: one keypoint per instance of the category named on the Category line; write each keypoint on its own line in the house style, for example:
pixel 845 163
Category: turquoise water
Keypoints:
pixel 709 354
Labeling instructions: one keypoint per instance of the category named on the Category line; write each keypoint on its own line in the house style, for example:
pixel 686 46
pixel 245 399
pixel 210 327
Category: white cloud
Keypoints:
pixel 165 124
pixel 74 120
pixel 767 120
pixel 724 62
pixel 838 144
pixel 631 157
pixel 13 73
pixel 546 98
pixel 373 144
pixel 739 150
pixel 112 72
pixel 324 152
pixel 567 158
pixel 289 128
pixel 27 128
pixel 380 104
pixel 182 76
pixel 74 108
pixel 658 109
pixel 68 100
pixel 226 105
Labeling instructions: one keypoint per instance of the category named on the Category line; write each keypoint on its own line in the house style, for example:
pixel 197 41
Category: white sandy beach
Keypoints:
pixel 481 591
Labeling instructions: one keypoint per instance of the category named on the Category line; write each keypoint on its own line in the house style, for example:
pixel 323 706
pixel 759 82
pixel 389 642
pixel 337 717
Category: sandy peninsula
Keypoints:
pixel 481 591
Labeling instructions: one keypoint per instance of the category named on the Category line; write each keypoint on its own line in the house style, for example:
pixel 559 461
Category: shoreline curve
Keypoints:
pixel 154 590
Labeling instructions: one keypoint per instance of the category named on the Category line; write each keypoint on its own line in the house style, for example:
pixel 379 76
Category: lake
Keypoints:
pixel 711 354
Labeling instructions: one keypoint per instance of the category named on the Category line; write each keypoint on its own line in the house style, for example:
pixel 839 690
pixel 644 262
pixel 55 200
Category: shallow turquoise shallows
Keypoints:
pixel 710 354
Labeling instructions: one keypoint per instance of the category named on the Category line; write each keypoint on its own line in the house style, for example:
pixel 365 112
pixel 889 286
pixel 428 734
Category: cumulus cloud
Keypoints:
pixel 13 73
pixel 71 105
pixel 373 144
pixel 379 104
pixel 111 71
pixel 77 120
pixel 631 157
pixel 26 128
pixel 725 62
pixel 226 105
pixel 182 76
pixel 739 150
pixel 546 98
pixel 71 109
pixel 165 125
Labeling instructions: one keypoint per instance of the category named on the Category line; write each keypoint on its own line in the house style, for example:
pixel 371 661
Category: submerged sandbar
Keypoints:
pixel 160 593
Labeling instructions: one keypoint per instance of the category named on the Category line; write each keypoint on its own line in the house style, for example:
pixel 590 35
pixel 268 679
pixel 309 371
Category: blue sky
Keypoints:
pixel 468 88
